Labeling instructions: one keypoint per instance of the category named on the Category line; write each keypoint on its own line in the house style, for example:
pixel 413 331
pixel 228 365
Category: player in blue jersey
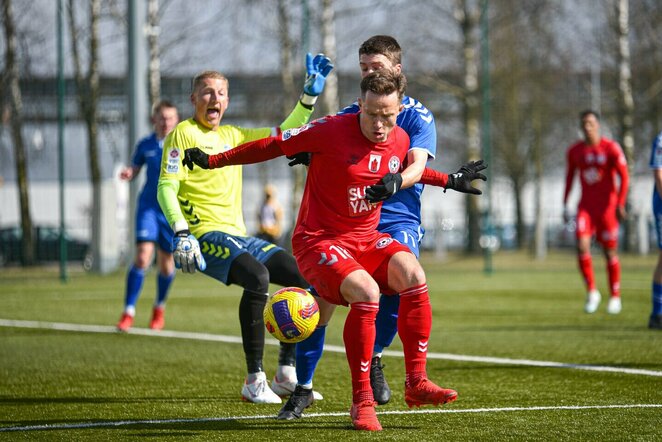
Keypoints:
pixel 655 320
pixel 401 218
pixel 151 225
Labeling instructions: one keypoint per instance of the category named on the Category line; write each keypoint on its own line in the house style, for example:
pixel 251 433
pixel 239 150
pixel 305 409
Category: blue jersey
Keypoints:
pixel 418 122
pixel 148 153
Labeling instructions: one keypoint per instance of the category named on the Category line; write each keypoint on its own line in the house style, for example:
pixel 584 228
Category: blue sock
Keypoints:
pixel 386 322
pixel 309 352
pixel 657 299
pixel 163 283
pixel 134 284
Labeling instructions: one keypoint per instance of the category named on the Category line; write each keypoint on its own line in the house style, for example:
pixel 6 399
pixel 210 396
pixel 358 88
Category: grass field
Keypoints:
pixel 527 362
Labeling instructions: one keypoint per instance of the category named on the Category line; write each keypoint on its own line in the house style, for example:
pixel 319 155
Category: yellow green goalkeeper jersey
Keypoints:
pixel 209 200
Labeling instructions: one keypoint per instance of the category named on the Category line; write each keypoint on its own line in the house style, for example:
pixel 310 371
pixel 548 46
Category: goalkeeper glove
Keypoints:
pixel 299 158
pixel 317 69
pixel 187 255
pixel 195 156
pixel 386 188
pixel 461 180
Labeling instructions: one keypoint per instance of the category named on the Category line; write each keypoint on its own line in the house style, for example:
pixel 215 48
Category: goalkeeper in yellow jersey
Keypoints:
pixel 204 209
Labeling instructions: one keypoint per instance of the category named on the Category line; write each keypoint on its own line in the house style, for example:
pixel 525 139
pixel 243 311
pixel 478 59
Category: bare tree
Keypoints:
pixel 289 91
pixel 16 123
pixel 330 100
pixel 626 105
pixel 154 51
pixel 467 15
pixel 87 88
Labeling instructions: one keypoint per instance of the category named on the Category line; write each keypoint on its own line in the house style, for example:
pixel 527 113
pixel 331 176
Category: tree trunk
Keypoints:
pixel 16 122
pixel 330 102
pixel 154 51
pixel 88 99
pixel 468 18
pixel 289 94
pixel 626 110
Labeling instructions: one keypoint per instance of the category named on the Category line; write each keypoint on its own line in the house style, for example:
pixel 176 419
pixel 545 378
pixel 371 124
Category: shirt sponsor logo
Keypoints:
pixel 357 204
pixel 394 164
pixel 374 163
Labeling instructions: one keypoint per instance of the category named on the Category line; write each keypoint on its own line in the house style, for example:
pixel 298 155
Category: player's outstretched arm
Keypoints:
pixel 248 153
pixel 459 181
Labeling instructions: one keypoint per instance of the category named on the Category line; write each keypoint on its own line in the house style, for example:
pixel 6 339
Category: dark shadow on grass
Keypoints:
pixel 7 400
pixel 187 426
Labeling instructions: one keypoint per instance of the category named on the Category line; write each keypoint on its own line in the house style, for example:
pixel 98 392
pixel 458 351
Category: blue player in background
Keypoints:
pixel 151 225
pixel 401 218
pixel 655 320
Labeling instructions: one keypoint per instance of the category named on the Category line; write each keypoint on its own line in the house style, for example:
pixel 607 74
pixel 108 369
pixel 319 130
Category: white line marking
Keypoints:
pixel 123 423
pixel 330 348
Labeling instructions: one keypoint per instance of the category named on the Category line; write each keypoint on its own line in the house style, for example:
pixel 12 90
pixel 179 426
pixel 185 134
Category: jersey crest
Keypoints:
pixel 173 160
pixel 374 163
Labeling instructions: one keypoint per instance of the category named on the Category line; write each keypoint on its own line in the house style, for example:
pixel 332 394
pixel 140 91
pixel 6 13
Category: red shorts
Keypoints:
pixel 604 225
pixel 325 262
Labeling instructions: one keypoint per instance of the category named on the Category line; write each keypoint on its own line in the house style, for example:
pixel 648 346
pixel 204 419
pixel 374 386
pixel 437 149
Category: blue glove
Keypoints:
pixel 317 69
pixel 187 255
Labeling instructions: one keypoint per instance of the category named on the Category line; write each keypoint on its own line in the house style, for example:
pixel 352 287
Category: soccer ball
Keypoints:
pixel 291 314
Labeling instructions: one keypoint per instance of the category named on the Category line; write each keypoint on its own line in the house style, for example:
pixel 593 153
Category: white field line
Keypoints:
pixel 123 423
pixel 330 348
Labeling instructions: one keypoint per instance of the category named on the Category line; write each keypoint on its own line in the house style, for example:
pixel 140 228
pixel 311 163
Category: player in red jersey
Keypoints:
pixel 598 160
pixel 336 242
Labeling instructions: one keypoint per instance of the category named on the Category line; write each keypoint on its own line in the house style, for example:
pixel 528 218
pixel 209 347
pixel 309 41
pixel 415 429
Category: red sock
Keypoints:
pixel 614 272
pixel 359 337
pixel 586 268
pixel 414 324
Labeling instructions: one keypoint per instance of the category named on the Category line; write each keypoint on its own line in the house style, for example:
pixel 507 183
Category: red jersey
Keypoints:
pixel 598 167
pixel 343 163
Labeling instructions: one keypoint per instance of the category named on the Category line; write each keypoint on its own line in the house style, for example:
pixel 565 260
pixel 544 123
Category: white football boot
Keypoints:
pixel 284 386
pixel 256 390
pixel 614 306
pixel 593 298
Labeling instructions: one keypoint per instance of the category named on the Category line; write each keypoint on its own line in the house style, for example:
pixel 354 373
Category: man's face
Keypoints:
pixel 370 63
pixel 378 115
pixel 591 128
pixel 164 121
pixel 210 100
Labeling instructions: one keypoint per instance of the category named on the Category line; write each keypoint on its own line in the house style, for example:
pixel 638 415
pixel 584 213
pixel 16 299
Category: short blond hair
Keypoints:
pixel 199 78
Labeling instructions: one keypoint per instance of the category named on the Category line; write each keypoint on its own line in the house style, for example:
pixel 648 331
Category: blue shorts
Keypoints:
pixel 657 214
pixel 152 226
pixel 409 235
pixel 221 249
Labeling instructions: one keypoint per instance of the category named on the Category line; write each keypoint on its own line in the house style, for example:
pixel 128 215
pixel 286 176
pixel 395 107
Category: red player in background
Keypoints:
pixel 598 160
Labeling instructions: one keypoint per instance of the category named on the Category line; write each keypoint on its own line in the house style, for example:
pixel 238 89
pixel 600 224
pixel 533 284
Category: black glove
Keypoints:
pixel 299 158
pixel 386 188
pixel 461 180
pixel 195 156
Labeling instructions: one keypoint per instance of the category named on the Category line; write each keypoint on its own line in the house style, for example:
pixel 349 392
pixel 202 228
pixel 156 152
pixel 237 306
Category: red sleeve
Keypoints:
pixel 569 175
pixel 248 153
pixel 434 178
pixel 622 170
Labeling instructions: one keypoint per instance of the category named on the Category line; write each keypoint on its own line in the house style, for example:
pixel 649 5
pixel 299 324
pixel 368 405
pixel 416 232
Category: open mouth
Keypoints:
pixel 213 113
